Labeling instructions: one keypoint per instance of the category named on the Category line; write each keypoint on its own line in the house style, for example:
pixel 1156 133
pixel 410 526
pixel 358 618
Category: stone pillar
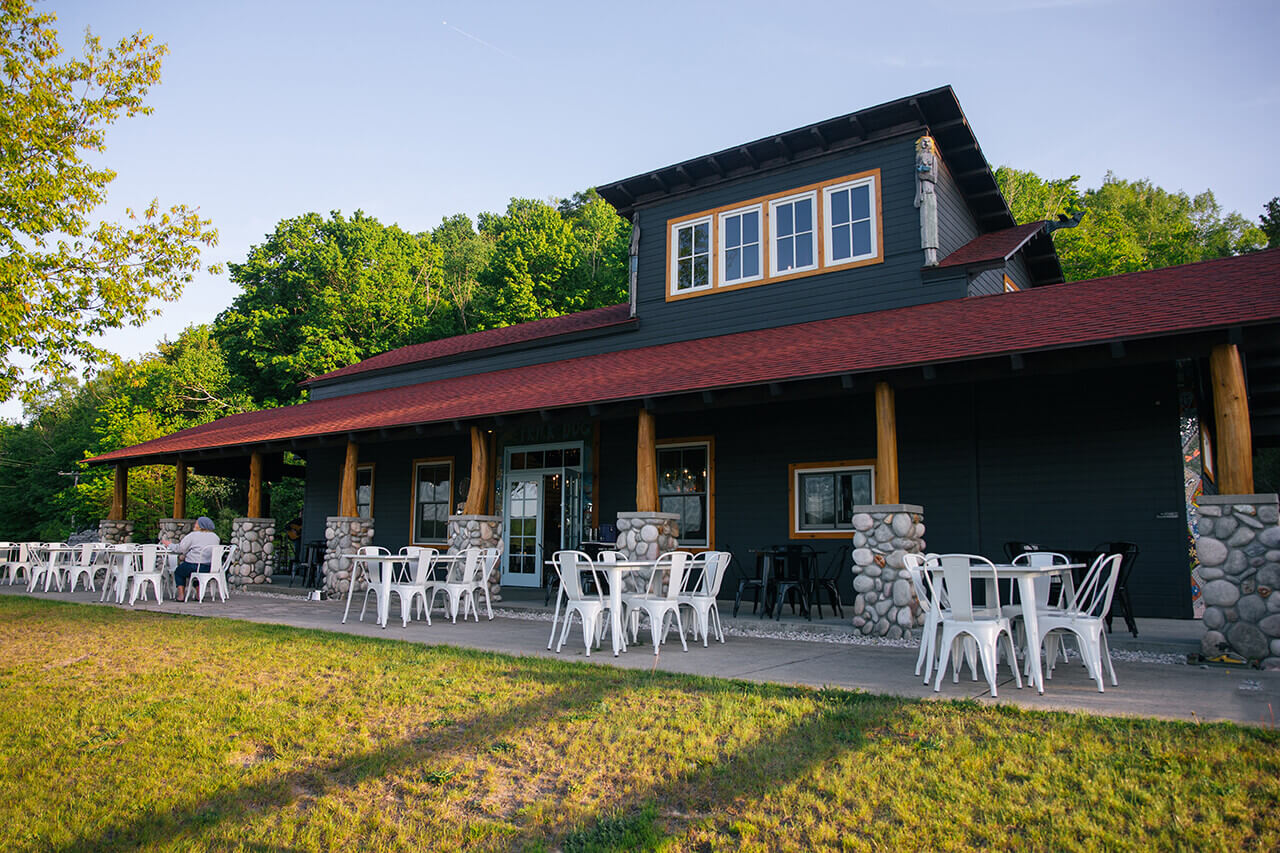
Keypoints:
pixel 343 534
pixel 173 529
pixel 643 536
pixel 1239 552
pixel 884 602
pixel 254 538
pixel 477 531
pixel 115 531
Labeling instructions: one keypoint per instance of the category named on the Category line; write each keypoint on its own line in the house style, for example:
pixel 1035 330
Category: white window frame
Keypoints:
pixel 828 243
pixel 774 204
pixel 674 271
pixel 722 250
pixel 797 508
pixel 413 518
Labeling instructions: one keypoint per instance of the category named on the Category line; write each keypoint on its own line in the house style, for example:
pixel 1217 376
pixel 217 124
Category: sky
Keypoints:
pixel 414 111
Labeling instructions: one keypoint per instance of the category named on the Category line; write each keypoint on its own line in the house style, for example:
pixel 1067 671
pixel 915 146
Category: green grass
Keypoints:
pixel 125 730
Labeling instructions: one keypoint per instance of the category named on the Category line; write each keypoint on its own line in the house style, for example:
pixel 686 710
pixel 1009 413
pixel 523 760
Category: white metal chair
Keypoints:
pixel 46 564
pixel 419 581
pixel 148 569
pixel 590 606
pixel 489 565
pixel 1085 617
pixel 84 565
pixel 119 569
pixel 1043 587
pixel 459 589
pixel 371 571
pixel 962 620
pixel 18 562
pixel 707 569
pixel 221 559
pixel 659 606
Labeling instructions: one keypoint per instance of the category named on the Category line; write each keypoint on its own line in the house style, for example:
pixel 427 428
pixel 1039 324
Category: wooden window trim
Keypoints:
pixel 371 467
pixel 793 521
pixel 710 442
pixel 413 496
pixel 1010 286
pixel 766 248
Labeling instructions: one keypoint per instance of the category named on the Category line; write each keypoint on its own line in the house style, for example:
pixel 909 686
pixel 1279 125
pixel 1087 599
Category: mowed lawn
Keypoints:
pixel 126 730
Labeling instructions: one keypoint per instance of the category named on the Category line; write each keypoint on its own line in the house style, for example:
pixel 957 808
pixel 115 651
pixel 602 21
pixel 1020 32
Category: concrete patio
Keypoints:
pixel 796 651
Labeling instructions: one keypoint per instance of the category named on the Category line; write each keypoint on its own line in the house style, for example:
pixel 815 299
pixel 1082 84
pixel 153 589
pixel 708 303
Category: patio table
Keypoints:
pixel 389 562
pixel 614 572
pixel 52 557
pixel 1026 577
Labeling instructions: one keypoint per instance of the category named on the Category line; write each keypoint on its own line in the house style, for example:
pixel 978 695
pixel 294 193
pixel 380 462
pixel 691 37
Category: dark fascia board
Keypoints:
pixel 629 325
pixel 936 111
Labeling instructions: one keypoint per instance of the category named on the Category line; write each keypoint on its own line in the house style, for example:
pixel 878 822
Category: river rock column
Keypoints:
pixel 253 538
pixel 644 536
pixel 1239 552
pixel 884 602
pixel 477 531
pixel 173 529
pixel 343 535
pixel 115 531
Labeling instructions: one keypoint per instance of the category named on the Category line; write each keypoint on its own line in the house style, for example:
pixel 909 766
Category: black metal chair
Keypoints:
pixel 757 584
pixel 829 582
pixel 793 578
pixel 1120 600
pixel 1013 549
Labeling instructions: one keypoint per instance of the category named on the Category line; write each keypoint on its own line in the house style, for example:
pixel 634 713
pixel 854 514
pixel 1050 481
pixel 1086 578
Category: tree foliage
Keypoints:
pixel 65 277
pixel 1128 225
pixel 1270 222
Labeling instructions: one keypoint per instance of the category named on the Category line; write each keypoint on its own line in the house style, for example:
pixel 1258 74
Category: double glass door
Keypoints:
pixel 543 515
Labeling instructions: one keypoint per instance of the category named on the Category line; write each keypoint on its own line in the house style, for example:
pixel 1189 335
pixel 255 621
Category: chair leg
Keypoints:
pixel 555 617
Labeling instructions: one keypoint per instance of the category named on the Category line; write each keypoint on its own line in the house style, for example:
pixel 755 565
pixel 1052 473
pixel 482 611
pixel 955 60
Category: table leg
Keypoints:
pixel 1031 621
pixel 384 601
pixel 615 609
pixel 351 588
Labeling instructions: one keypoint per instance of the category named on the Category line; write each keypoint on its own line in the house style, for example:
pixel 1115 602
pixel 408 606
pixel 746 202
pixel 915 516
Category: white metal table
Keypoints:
pixel 387 564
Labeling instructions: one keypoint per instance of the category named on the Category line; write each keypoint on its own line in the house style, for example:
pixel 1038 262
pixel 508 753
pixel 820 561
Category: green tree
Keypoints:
pixel 1032 198
pixel 527 278
pixel 320 294
pixel 65 277
pixel 464 255
pixel 603 241
pixel 1270 221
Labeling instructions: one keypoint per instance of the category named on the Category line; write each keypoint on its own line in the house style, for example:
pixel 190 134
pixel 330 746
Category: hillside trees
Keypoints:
pixel 64 275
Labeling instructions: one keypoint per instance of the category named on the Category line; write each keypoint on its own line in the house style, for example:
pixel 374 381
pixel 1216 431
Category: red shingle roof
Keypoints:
pixel 582 321
pixel 1212 294
pixel 996 246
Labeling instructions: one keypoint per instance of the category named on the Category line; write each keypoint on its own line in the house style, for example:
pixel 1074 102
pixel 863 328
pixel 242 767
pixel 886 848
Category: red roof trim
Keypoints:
pixel 582 321
pixel 1212 294
pixel 996 246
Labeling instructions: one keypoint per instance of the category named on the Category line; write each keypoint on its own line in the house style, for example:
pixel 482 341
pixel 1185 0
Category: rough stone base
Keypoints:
pixel 254 538
pixel 1239 553
pixel 884 603
pixel 173 529
pixel 343 535
pixel 478 531
pixel 644 536
pixel 115 532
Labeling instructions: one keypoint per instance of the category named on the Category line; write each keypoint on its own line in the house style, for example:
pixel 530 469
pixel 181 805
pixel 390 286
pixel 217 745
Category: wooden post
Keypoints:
pixel 646 464
pixel 347 500
pixel 120 494
pixel 493 467
pixel 886 446
pixel 255 485
pixel 477 495
pixel 1234 456
pixel 180 490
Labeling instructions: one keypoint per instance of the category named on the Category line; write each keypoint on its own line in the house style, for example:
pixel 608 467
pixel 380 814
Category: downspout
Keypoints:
pixel 635 259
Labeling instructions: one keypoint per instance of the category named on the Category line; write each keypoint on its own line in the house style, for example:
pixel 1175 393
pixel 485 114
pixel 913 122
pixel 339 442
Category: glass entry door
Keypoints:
pixel 571 503
pixel 523 563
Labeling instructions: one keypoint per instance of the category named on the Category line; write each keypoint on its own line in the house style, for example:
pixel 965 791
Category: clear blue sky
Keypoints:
pixel 412 111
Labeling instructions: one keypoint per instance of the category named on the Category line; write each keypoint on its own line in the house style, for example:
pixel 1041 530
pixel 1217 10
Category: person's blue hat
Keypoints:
pixel 204 522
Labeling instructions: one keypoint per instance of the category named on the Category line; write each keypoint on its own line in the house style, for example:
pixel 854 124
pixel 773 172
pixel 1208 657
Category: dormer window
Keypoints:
pixel 740 245
pixel 795 235
pixel 834 224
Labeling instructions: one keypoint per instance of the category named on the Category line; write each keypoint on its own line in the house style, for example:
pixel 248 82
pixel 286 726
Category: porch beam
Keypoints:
pixel 120 494
pixel 1231 417
pixel 180 489
pixel 646 464
pixel 347 496
pixel 255 484
pixel 477 498
pixel 886 446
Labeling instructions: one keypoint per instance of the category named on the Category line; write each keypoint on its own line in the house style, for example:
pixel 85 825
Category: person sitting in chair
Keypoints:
pixel 195 552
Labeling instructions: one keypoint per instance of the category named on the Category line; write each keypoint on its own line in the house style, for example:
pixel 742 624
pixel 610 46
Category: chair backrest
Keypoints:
pixel 570 565
pixel 921 581
pixel 675 565
pixel 1093 595
pixel 1128 556
pixel 373 549
pixel 835 568
pixel 1043 585
pixel 472 563
pixel 223 557
pixel 85 557
pixel 1013 549
pixel 608 558
pixel 489 563
pixel 147 555
pixel 956 573
pixel 425 560
pixel 718 568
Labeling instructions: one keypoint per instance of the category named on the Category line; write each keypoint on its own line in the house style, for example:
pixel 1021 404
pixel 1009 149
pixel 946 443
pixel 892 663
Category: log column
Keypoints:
pixel 347 501
pixel 478 494
pixel 886 446
pixel 255 485
pixel 646 464
pixel 180 490
pixel 120 494
pixel 1231 418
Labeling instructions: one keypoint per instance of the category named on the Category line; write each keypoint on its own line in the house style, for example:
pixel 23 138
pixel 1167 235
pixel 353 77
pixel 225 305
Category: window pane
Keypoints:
pixel 862 238
pixel 573 456
pixel 701 233
pixel 534 458
pixel 804 215
pixel 784 226
pixel 840 243
pixel 732 264
pixel 554 458
pixel 861 488
pixel 684 277
pixel 804 251
pixel 751 262
pixel 786 254
pixel 700 267
pixel 684 242
pixel 840 207
pixel 517 461
pixel 751 227
pixel 818 501
pixel 862 202
pixel 733 231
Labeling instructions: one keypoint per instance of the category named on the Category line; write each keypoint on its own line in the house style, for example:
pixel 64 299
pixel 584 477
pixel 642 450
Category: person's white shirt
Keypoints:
pixel 197 547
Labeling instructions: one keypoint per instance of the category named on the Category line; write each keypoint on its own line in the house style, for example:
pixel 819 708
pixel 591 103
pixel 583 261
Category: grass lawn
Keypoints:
pixel 125 730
